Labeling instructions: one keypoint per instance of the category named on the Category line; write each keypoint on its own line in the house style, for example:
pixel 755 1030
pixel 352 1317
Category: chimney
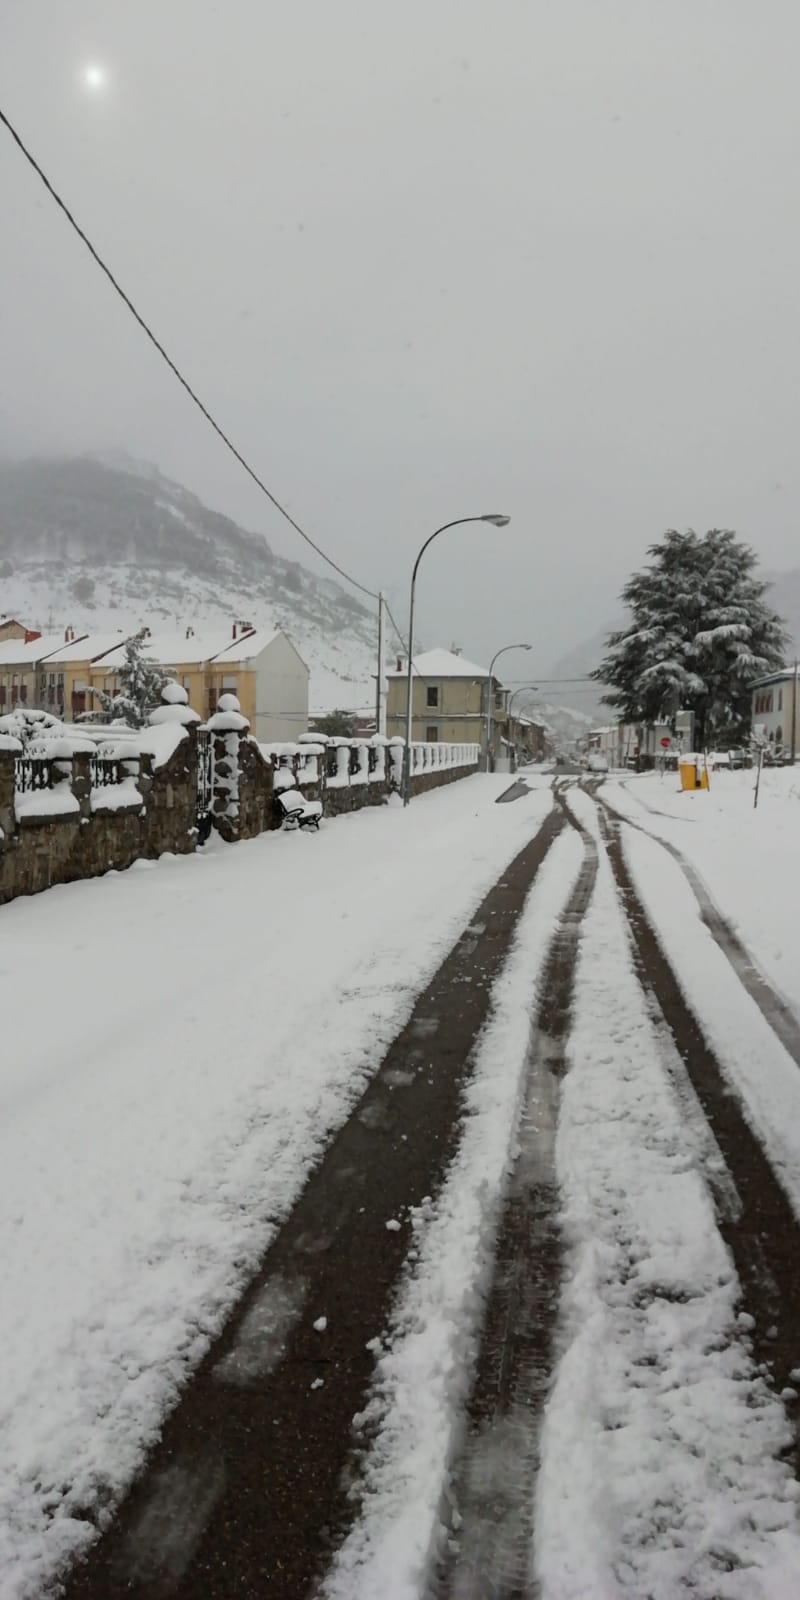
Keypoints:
pixel 30 635
pixel 69 635
pixel 240 629
pixel 456 649
pixel 399 663
pixel 190 633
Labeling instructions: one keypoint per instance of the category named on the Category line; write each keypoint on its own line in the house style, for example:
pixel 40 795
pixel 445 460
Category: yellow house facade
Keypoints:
pixel 449 701
pixel 23 677
pixel 261 667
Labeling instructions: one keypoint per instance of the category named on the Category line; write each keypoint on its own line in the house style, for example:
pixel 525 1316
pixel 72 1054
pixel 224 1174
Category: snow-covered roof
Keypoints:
pixel 440 663
pixel 781 676
pixel 88 647
pixel 247 645
pixel 26 653
pixel 170 649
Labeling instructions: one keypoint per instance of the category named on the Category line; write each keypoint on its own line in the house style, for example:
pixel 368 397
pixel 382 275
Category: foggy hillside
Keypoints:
pixel 111 543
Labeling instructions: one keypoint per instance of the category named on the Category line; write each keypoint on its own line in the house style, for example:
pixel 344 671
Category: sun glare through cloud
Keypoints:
pixel 94 77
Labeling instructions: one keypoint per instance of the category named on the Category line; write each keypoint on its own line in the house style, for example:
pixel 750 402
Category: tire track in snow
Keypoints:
pixel 491 1493
pixel 772 1005
pixel 763 1238
pixel 266 1423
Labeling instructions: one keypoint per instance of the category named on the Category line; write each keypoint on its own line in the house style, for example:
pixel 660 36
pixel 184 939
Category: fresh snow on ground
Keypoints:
pixel 660 1473
pixel 188 1034
pixel 748 858
pixel 423 1374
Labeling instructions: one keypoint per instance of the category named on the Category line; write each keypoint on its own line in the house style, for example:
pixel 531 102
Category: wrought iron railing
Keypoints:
pixel 32 772
pixel 104 771
pixel 205 772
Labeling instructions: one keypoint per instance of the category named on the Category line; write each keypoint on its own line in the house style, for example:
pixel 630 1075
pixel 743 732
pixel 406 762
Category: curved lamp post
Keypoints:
pixel 498 521
pixel 490 695
pixel 524 688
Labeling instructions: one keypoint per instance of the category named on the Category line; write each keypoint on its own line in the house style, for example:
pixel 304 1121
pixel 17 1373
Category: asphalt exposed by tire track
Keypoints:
pixel 491 1491
pixel 491 1495
pixel 763 1236
pixel 772 1005
pixel 247 1494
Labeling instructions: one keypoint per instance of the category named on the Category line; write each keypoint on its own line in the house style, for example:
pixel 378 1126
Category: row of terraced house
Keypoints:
pixel 66 673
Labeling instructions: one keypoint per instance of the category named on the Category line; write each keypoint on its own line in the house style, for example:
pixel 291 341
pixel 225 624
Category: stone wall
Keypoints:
pixel 68 830
pixel 421 782
pixel 80 837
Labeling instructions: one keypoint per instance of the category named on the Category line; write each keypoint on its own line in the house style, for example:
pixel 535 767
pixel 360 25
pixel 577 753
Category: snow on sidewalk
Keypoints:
pixel 423 1373
pixel 660 1471
pixel 186 1037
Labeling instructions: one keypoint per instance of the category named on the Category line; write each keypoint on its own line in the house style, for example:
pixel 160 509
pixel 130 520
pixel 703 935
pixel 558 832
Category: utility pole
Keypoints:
pixel 794 713
pixel 380 696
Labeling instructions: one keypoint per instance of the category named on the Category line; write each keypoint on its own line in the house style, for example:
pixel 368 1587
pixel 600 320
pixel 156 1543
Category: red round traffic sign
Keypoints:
pixel 665 744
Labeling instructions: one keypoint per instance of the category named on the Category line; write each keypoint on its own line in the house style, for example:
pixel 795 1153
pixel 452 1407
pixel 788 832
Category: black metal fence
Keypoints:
pixel 30 773
pixel 104 771
pixel 205 775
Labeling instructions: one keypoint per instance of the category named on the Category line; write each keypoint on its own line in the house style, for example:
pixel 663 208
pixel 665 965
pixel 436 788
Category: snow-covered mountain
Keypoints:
pixel 107 543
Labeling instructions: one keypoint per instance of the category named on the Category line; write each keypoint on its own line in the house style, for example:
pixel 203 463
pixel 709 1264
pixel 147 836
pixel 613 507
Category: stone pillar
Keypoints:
pixel 82 783
pixel 227 728
pixel 144 781
pixel 7 818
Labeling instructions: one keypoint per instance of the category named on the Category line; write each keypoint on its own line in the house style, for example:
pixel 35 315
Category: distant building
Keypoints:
pixel 628 744
pixel 269 676
pixel 449 700
pixel 774 708
pixel 66 675
pixel 24 678
pixel 10 628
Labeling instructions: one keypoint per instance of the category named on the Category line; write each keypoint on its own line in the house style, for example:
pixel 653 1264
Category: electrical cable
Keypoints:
pixel 31 159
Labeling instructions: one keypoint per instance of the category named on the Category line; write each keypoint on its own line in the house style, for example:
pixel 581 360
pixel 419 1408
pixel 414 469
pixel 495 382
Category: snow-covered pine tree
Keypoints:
pixel 699 633
pixel 141 683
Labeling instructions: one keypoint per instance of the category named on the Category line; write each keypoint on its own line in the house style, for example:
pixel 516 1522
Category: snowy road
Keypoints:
pixel 549 1263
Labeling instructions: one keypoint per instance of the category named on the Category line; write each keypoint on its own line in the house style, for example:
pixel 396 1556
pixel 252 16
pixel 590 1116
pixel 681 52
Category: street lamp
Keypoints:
pixel 498 521
pixel 524 688
pixel 495 657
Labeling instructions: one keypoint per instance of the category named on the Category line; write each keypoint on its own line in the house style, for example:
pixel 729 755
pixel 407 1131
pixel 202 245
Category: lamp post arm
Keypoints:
pixel 457 521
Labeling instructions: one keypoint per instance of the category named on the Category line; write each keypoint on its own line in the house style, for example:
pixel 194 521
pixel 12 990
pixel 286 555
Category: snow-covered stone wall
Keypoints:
pixel 77 813
pixel 77 803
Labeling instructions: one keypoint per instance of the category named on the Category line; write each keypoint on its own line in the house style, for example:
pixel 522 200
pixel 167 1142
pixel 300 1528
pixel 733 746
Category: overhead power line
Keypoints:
pixel 174 368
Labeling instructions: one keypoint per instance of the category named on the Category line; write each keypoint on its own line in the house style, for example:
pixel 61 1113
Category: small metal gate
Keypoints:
pixel 205 783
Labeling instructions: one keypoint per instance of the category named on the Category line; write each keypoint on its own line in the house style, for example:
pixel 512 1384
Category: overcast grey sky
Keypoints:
pixel 423 259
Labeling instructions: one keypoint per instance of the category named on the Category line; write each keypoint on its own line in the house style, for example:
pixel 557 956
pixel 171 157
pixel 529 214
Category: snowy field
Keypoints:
pixel 748 858
pixel 186 1037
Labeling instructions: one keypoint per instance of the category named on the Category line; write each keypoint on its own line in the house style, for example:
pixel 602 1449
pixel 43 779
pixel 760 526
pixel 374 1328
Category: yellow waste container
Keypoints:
pixel 703 778
pixel 688 772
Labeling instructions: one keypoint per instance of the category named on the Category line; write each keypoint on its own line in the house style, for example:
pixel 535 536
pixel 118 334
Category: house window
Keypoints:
pixel 498 699
pixel 432 696
pixel 432 735
pixel 780 699
pixel 229 685
pixel 2 694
